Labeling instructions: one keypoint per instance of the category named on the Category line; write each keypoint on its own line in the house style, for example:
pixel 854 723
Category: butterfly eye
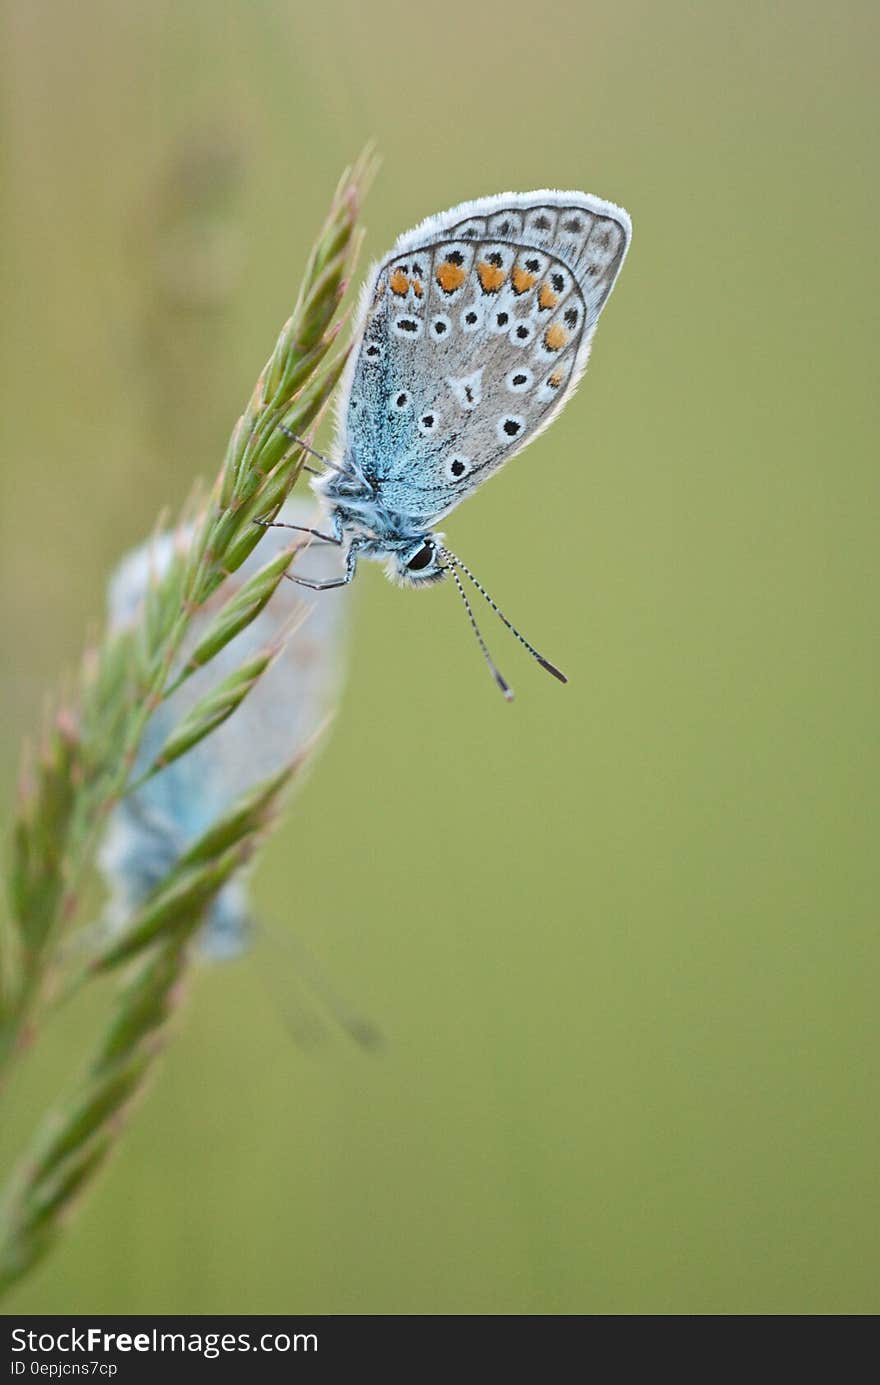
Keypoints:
pixel 422 557
pixel 457 467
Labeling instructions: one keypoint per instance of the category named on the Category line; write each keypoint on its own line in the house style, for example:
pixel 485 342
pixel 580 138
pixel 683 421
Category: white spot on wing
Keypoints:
pixel 468 389
pixel 407 326
pixel 428 423
pixel 519 380
pixel 521 333
pixel 509 427
pixel 457 466
pixel 507 225
pixel 499 319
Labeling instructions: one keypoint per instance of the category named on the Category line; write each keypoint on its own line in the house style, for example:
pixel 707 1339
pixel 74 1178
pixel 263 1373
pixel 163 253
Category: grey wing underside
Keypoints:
pixel 476 331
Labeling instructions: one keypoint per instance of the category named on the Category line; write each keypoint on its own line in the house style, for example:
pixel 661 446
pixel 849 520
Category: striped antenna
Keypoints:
pixel 454 563
pixel 499 679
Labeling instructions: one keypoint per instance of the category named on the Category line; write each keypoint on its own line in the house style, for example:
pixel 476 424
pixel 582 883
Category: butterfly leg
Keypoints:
pixel 307 447
pixel 335 537
pixel 331 582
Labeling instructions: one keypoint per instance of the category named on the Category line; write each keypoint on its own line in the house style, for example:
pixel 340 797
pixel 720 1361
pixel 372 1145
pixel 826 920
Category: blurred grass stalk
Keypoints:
pixel 90 744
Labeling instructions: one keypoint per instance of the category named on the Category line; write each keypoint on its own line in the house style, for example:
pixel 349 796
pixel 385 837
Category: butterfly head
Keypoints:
pixel 417 561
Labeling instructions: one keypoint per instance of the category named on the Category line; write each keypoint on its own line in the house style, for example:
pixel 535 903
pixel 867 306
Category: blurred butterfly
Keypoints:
pixel 471 336
pixel 154 824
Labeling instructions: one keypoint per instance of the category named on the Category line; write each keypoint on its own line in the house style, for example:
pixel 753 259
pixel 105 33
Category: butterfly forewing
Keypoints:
pixel 476 331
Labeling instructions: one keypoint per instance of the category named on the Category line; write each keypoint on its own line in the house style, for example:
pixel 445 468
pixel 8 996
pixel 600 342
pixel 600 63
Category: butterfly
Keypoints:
pixel 471 336
pixel 156 822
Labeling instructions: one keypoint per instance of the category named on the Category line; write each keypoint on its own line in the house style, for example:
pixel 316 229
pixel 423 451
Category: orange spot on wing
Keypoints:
pixel 450 276
pixel 547 298
pixel 522 279
pixel 555 380
pixel 417 288
pixel 399 283
pixel 491 276
pixel 555 337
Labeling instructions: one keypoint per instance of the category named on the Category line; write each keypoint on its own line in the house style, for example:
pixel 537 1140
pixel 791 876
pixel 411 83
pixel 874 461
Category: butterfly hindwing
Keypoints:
pixel 476 331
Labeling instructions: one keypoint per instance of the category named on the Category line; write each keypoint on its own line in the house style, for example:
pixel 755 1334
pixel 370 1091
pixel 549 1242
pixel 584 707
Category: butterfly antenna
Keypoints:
pixel 545 663
pixel 358 1027
pixel 499 679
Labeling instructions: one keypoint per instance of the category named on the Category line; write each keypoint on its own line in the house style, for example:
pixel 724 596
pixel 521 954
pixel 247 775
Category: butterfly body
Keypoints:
pixel 368 527
pixel 472 335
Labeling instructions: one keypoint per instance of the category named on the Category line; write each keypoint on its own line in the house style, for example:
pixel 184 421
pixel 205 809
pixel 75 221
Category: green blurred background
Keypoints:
pixel 621 936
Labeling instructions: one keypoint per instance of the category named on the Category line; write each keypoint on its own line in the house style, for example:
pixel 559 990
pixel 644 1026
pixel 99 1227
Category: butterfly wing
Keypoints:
pixel 476 331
